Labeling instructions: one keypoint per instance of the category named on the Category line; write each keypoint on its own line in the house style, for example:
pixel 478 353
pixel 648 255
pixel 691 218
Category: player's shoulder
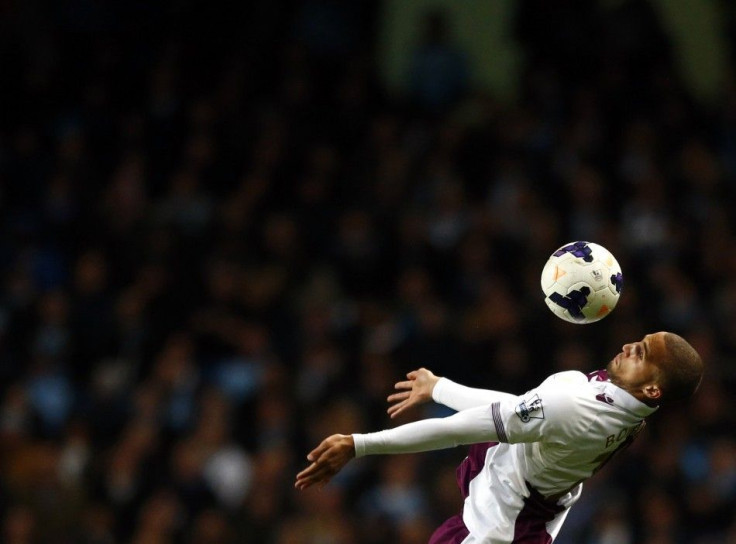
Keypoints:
pixel 565 399
pixel 566 388
pixel 567 379
pixel 555 402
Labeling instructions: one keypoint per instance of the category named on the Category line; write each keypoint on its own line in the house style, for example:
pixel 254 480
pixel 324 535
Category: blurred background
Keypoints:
pixel 226 231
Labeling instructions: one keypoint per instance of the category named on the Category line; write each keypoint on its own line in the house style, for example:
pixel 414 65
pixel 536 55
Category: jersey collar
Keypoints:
pixel 621 397
pixel 629 402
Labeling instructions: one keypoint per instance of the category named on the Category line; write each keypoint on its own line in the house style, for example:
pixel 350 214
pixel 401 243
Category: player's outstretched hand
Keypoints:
pixel 416 390
pixel 327 460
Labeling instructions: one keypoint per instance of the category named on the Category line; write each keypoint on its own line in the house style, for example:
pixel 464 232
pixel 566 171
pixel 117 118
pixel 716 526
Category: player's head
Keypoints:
pixel 660 368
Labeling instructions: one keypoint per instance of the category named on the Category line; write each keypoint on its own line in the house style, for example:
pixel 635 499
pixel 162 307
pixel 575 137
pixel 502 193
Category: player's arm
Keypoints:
pixel 467 427
pixel 422 386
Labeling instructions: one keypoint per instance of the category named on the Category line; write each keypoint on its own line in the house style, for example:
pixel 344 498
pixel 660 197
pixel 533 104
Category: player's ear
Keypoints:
pixel 652 391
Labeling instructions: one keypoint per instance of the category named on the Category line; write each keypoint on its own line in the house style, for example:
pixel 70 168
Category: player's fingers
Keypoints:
pixel 304 479
pixel 307 472
pixel 307 479
pixel 314 472
pixel 317 452
pixel 396 409
pixel 396 397
pixel 403 385
pixel 412 375
pixel 317 472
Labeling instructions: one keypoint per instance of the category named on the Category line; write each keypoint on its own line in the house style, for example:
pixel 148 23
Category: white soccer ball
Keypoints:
pixel 582 282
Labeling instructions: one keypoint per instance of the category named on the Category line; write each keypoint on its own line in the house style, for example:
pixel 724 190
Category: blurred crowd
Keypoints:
pixel 223 239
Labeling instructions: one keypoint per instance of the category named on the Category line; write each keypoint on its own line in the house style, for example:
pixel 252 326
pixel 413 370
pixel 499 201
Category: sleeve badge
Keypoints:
pixel 530 408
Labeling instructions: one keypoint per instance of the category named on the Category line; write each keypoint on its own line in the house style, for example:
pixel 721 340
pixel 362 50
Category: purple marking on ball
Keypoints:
pixel 618 281
pixel 578 249
pixel 574 302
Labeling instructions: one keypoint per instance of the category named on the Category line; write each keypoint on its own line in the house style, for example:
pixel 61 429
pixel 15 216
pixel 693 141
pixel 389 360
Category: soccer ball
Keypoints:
pixel 582 282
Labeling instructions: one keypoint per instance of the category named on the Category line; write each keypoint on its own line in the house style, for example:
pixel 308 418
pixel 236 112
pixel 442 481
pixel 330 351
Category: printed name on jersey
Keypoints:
pixel 623 434
pixel 530 408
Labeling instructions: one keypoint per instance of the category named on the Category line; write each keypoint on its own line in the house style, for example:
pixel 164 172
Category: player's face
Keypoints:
pixel 636 368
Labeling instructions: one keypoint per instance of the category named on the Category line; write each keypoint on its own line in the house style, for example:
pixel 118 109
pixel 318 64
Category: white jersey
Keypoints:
pixel 564 430
pixel 540 446
pixel 551 439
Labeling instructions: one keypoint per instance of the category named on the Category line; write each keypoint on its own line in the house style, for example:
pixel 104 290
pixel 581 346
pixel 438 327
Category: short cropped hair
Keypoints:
pixel 682 373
